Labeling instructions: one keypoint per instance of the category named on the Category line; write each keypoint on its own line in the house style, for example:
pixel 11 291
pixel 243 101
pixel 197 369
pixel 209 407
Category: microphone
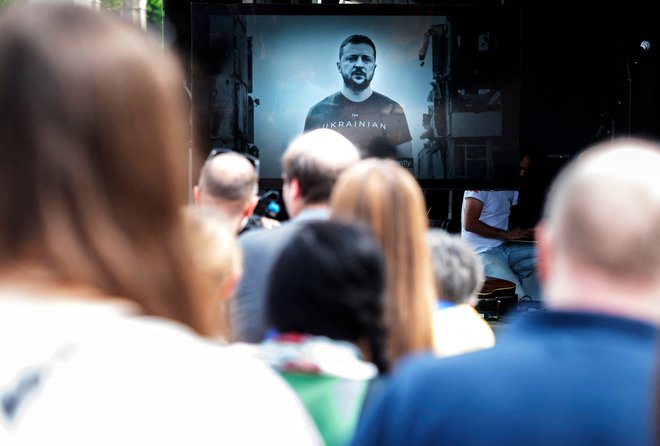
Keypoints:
pixel 640 51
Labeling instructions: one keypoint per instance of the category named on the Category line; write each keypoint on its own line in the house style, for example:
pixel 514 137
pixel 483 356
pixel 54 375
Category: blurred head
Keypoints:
pixel 387 198
pixel 458 271
pixel 599 244
pixel 216 256
pixel 311 165
pixel 228 182
pixel 357 61
pixel 93 158
pixel 525 164
pixel 329 281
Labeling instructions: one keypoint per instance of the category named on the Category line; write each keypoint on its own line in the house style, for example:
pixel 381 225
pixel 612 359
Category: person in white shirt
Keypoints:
pixel 507 253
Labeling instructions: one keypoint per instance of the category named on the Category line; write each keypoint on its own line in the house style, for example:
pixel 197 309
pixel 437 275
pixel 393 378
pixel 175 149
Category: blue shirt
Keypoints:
pixel 553 378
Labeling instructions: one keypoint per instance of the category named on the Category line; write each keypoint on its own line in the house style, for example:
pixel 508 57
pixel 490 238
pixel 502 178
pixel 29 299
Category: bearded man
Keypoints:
pixel 373 122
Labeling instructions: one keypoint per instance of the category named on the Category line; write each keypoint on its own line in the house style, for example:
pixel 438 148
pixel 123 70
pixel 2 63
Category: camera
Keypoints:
pixel 267 207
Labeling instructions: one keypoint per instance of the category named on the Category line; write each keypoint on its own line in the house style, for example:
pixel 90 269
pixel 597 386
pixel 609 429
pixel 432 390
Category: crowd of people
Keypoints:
pixel 130 316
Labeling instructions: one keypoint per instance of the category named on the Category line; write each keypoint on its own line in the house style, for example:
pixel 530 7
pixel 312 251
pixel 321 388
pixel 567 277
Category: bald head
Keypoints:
pixel 603 216
pixel 229 183
pixel 315 159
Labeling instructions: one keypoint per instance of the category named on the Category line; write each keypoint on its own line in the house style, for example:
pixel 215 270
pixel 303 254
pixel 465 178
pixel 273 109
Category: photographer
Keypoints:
pixel 228 182
pixel 265 213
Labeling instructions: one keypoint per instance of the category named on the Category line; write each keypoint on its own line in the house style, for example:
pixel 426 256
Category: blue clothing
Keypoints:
pixel 515 262
pixel 260 249
pixel 554 378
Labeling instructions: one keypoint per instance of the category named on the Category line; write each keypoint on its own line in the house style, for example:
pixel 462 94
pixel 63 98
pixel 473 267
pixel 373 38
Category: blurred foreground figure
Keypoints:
pixel 100 303
pixel 581 373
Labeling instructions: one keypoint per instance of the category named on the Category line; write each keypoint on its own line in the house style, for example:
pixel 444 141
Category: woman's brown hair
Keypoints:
pixel 93 159
pixel 385 196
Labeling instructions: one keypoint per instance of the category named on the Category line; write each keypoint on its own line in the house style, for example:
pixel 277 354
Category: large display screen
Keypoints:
pixel 436 88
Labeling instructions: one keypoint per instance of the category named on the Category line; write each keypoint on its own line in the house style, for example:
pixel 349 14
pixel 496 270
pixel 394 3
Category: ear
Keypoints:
pixel 339 67
pixel 197 195
pixel 227 288
pixel 294 188
pixel 544 252
pixel 250 206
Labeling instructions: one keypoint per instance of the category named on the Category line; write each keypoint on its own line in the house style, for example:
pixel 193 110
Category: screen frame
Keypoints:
pixel 200 54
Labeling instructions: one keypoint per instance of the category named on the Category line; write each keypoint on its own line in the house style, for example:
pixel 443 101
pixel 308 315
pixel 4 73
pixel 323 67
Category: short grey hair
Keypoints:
pixel 457 269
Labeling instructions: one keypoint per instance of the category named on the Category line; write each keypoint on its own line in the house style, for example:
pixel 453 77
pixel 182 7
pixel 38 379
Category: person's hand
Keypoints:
pixel 269 223
pixel 519 234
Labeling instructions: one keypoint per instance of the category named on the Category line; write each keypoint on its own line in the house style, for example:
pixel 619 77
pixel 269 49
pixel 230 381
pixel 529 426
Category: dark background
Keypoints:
pixel 574 89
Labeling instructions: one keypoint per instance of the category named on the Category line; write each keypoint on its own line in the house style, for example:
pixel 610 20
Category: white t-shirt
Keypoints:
pixel 495 212
pixel 78 372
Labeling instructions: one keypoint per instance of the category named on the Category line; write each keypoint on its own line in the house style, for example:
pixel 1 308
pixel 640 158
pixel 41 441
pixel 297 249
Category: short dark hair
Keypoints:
pixel 329 280
pixel 357 39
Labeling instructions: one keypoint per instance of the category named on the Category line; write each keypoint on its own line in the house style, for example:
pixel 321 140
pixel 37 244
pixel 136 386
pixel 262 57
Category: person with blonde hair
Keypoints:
pixel 383 195
pixel 580 373
pixel 217 256
pixel 101 309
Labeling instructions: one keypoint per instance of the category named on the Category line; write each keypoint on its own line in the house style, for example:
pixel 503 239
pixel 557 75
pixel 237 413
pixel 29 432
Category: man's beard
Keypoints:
pixel 352 85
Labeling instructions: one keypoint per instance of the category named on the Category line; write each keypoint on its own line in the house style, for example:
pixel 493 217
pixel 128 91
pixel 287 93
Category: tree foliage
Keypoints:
pixel 155 15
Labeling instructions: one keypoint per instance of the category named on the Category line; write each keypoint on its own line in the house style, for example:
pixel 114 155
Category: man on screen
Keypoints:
pixel 373 122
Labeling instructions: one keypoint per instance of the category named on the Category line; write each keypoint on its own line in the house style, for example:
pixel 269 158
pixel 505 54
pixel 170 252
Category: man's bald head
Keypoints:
pixel 229 183
pixel 605 209
pixel 600 239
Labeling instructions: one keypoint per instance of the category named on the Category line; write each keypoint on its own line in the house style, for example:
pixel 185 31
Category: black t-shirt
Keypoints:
pixel 369 124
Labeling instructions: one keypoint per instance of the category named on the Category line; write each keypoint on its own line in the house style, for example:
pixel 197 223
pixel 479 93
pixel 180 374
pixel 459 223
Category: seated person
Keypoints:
pixel 325 301
pixel 485 226
pixel 459 275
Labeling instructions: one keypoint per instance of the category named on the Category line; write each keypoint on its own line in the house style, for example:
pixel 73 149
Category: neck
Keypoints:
pixel 591 292
pixel 313 206
pixel 38 283
pixel 356 96
pixel 323 205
